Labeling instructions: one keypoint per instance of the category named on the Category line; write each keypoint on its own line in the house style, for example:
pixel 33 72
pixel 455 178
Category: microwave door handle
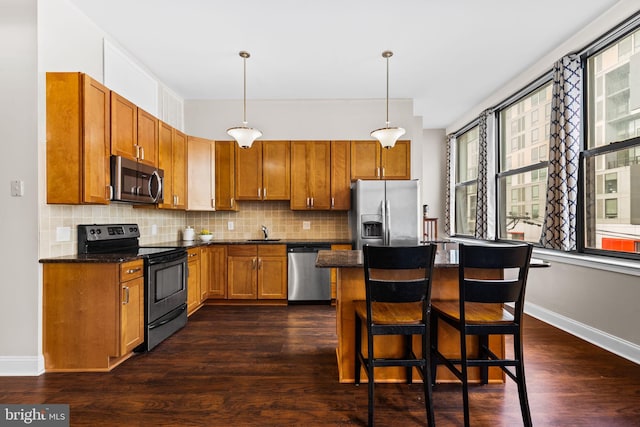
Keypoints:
pixel 155 175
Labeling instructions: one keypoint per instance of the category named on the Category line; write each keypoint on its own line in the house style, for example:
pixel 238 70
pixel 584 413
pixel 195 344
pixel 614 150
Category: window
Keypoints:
pixel 466 182
pixel 519 201
pixel 611 162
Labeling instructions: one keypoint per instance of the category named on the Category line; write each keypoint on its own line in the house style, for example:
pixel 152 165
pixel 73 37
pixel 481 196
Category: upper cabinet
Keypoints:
pixel 172 159
pixel 311 164
pixel 370 161
pixel 134 132
pixel 225 183
pixel 78 139
pixel 322 175
pixel 263 172
pixel 201 174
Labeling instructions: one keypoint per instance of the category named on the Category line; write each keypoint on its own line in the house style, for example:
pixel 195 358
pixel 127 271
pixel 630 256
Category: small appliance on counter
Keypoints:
pixel 188 234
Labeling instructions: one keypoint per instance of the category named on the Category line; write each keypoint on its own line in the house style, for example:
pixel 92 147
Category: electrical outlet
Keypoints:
pixel 154 229
pixel 230 225
pixel 306 225
pixel 63 234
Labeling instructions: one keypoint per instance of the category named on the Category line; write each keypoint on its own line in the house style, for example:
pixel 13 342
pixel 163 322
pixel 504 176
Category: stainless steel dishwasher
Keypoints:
pixel 306 282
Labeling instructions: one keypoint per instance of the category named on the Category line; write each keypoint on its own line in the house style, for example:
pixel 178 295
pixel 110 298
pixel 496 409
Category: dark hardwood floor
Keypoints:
pixel 275 366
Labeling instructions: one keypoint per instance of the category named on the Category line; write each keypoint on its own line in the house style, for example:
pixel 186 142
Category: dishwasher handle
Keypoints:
pixel 307 248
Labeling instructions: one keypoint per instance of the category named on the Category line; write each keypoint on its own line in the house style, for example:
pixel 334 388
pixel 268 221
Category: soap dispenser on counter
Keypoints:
pixel 188 234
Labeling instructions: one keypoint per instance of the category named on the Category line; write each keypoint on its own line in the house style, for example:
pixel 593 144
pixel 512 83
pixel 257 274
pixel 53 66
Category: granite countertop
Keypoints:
pixel 187 244
pixel 355 258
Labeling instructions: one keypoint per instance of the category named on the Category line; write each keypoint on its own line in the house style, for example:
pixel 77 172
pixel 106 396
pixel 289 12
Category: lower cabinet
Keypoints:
pixel 194 282
pixel 93 314
pixel 257 272
pixel 217 271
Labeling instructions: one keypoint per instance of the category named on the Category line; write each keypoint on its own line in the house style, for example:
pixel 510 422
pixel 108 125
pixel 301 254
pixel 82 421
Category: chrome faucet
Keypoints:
pixel 265 230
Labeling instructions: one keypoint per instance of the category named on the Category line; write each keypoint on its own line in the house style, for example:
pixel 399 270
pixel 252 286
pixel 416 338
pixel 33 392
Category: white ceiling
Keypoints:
pixel 448 54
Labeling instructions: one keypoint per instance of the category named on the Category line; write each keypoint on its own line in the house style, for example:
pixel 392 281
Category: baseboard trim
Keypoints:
pixel 22 366
pixel 618 346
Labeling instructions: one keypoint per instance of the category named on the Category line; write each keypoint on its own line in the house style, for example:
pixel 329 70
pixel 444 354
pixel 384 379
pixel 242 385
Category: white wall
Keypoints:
pixel 19 285
pixel 584 297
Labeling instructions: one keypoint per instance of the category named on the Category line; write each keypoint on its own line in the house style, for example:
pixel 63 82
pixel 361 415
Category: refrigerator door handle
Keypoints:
pixel 387 220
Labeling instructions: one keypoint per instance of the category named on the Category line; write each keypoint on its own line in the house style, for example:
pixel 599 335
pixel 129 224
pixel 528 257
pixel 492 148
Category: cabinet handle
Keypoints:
pixel 253 264
pixel 109 192
pixel 264 193
pixel 307 204
pixel 133 270
pixel 213 203
pixel 126 295
pixel 233 202
pixel 142 153
pixel 259 193
pixel 333 202
pixel 377 172
pixel 137 150
pixel 312 201
pixel 259 264
pixel 382 172
pixel 191 255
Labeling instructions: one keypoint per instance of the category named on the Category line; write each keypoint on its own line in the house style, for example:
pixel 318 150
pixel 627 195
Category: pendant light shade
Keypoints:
pixel 387 135
pixel 244 134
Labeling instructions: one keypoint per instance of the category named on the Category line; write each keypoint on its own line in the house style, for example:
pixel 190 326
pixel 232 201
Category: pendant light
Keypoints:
pixel 244 134
pixel 388 135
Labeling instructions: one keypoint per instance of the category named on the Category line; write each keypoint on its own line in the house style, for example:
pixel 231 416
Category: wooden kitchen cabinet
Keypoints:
pixel 225 183
pixel 201 174
pixel 194 296
pixel 172 159
pixel 93 314
pixel 263 172
pixel 340 175
pixel 78 139
pixel 257 272
pixel 370 161
pixel 311 167
pixel 217 279
pixel 134 132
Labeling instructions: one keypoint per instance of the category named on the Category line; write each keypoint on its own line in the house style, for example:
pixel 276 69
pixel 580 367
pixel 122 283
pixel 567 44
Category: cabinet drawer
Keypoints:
pixel 131 270
pixel 193 254
pixel 272 250
pixel 242 250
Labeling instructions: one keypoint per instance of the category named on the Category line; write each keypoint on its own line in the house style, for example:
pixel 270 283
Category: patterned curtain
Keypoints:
pixel 451 142
pixel 559 228
pixel 484 230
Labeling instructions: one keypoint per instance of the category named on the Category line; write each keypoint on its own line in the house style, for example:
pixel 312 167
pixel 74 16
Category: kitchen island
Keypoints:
pixel 350 287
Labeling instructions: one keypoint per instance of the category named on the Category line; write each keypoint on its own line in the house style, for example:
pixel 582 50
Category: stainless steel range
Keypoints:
pixel 165 276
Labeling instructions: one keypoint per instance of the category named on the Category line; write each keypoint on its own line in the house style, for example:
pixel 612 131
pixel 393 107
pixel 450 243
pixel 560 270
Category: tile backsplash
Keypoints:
pixel 282 223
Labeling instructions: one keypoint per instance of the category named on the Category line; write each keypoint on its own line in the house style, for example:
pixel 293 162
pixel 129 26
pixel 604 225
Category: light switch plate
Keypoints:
pixel 17 188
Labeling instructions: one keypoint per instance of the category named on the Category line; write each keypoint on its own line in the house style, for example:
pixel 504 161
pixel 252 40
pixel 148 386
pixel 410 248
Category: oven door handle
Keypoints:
pixel 177 312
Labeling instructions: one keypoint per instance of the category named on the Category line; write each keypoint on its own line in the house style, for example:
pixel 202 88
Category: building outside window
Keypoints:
pixel 466 182
pixel 524 147
pixel 612 160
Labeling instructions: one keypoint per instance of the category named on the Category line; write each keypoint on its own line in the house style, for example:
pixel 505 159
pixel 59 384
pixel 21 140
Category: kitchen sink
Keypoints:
pixel 263 240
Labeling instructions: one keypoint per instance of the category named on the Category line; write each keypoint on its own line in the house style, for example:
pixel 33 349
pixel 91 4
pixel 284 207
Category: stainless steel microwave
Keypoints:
pixel 134 182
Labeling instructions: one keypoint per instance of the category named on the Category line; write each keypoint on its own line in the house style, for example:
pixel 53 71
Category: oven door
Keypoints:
pixel 166 284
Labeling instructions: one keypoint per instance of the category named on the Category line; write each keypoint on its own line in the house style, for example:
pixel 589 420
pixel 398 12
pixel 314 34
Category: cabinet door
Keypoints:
pixel 272 272
pixel 340 175
pixel 193 282
pixel 320 180
pixel 165 162
pixel 300 167
pixel 124 127
pixel 147 138
pixel 242 264
pixel 365 160
pixel 201 172
pixel 249 172
pixel 78 139
pixel 396 161
pixel 272 278
pixel 276 170
pixel 179 169
pixel 225 159
pixel 131 315
pixel 217 272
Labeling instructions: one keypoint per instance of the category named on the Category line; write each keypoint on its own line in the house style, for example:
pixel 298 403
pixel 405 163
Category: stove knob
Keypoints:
pixel 99 231
pixel 92 231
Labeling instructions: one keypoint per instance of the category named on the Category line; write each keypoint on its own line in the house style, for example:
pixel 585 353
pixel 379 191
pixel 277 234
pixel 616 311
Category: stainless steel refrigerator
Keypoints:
pixel 385 213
